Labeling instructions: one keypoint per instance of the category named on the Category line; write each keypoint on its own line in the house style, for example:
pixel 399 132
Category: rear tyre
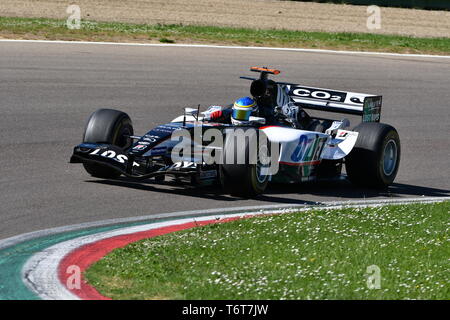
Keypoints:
pixel 249 179
pixel 375 159
pixel 110 127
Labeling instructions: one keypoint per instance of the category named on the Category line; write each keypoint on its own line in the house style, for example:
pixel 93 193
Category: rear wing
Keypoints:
pixel 366 105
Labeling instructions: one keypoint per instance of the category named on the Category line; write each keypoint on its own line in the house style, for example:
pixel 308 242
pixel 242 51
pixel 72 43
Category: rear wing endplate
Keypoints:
pixel 366 105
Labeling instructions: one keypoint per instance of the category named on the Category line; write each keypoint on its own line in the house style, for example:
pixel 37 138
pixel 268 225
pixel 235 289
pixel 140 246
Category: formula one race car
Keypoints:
pixel 289 148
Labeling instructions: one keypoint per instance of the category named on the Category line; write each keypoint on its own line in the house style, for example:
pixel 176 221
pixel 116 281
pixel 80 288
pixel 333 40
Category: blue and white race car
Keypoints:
pixel 244 151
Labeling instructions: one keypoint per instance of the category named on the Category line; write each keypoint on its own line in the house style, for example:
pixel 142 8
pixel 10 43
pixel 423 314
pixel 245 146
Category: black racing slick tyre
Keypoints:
pixel 375 158
pixel 247 178
pixel 110 127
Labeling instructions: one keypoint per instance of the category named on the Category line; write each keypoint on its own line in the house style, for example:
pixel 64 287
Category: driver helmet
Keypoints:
pixel 242 109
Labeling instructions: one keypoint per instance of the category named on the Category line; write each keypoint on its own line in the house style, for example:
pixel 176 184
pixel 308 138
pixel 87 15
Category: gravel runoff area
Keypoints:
pixel 261 14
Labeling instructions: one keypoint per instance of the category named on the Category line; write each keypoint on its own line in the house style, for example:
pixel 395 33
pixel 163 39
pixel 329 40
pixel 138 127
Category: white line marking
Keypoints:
pixel 40 271
pixel 181 45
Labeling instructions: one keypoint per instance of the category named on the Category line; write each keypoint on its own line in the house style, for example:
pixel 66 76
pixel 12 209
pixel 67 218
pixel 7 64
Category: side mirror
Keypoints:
pixel 190 111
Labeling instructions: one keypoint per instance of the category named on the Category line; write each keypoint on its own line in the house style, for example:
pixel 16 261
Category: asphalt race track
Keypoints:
pixel 47 92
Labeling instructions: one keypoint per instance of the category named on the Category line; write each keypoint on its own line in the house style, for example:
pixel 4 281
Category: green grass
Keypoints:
pixel 320 254
pixel 31 28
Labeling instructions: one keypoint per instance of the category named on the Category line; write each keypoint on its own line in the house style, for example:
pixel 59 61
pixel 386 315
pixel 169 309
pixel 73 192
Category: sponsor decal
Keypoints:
pixel 140 147
pixel 306 92
pixel 150 138
pixel 350 98
pixel 111 154
pixel 372 109
pixel 183 165
pixel 166 128
pixel 308 148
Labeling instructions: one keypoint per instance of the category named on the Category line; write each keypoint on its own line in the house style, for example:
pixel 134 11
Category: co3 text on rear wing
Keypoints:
pixel 366 105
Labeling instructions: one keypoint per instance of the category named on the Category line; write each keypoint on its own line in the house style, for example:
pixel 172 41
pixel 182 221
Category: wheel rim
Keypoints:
pixel 123 139
pixel 260 176
pixel 261 169
pixel 390 157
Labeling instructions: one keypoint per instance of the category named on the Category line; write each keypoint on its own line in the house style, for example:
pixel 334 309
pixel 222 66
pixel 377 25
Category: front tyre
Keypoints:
pixel 110 127
pixel 375 159
pixel 250 179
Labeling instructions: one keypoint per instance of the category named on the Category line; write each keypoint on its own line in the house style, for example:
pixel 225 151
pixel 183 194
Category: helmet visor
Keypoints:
pixel 242 114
